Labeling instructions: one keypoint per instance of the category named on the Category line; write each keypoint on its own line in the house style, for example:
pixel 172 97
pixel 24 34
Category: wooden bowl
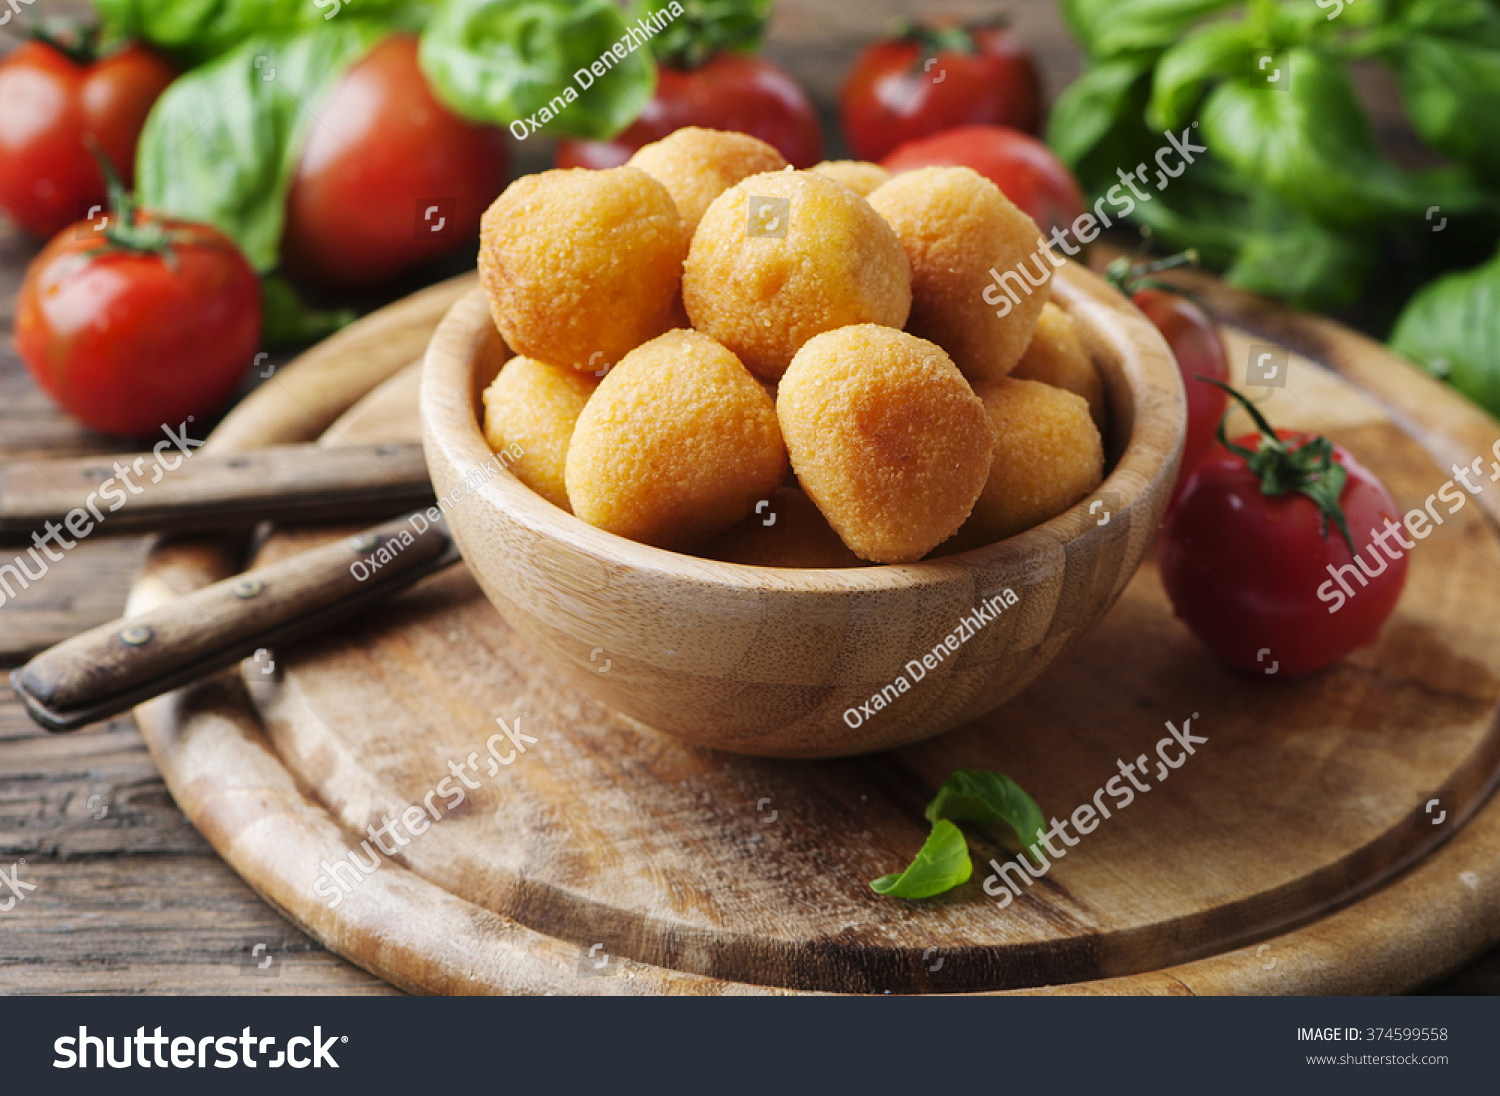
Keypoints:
pixel 789 663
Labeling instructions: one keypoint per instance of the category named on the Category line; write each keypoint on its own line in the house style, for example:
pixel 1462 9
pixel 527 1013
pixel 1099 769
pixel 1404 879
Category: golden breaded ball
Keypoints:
pixel 581 263
pixel 1048 456
pixel 675 445
pixel 979 268
pixel 798 536
pixel 1058 357
pixel 886 437
pixel 533 406
pixel 780 258
pixel 860 176
pixel 697 165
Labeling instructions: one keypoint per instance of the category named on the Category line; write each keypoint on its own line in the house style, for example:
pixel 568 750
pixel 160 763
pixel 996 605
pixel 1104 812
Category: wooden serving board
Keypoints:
pixel 1297 851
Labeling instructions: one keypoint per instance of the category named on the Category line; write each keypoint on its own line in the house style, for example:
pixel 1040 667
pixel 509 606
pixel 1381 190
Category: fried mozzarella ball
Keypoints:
pixel 780 258
pixel 1058 357
pixel 533 406
pixel 860 176
pixel 785 529
pixel 886 437
pixel 697 165
pixel 979 268
pixel 676 444
pixel 581 265
pixel 1048 456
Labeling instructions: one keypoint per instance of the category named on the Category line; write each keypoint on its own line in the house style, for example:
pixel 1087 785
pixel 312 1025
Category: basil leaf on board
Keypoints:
pixel 193 31
pixel 505 61
pixel 222 143
pixel 975 795
pixel 1452 329
pixel 1110 28
pixel 941 864
pixel 1091 106
pixel 1310 144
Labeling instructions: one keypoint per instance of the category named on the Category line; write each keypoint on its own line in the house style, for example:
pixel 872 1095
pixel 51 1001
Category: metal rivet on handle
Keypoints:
pixel 365 542
pixel 137 636
pixel 247 588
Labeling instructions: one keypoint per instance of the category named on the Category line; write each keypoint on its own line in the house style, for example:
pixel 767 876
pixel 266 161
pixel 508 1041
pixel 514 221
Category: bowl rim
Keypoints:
pixel 453 435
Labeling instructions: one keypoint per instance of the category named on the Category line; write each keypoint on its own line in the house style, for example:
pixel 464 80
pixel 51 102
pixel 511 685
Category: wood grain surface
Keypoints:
pixel 699 872
pixel 132 899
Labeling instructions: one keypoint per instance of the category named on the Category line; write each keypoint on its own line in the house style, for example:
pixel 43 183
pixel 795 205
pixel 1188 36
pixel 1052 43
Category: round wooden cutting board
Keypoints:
pixel 1330 835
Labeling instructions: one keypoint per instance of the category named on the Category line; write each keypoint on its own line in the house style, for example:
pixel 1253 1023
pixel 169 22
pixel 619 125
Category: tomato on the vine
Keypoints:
pixel 928 79
pixel 1026 171
pixel 732 91
pixel 390 177
pixel 129 321
pixel 52 106
pixel 1283 553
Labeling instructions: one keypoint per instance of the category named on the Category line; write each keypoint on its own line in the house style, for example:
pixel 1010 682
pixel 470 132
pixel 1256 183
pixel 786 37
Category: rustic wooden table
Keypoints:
pixel 128 897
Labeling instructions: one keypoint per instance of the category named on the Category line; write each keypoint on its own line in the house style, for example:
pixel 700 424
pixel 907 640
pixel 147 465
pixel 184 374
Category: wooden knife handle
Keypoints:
pixel 91 496
pixel 116 666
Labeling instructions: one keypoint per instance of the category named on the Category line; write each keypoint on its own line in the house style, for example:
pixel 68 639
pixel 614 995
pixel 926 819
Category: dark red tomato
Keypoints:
pixel 49 106
pixel 733 91
pixel 1250 574
pixel 933 79
pixel 1024 169
pixel 125 340
pixel 390 177
pixel 1200 353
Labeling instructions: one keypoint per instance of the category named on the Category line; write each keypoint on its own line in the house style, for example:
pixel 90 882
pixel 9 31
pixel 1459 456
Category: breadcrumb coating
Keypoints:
pixel 1058 357
pixel 582 265
pixel 860 176
pixel 886 437
pixel 968 245
pixel 782 257
pixel 697 165
pixel 676 444
pixel 533 406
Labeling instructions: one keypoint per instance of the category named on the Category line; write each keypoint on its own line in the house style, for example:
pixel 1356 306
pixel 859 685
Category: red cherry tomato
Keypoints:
pixel 933 79
pixel 49 106
pixel 1024 169
pixel 733 91
pixel 390 177
pixel 125 340
pixel 1249 573
pixel 1200 353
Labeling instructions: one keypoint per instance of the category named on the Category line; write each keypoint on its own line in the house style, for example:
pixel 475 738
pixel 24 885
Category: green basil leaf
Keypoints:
pixel 701 29
pixel 1310 144
pixel 289 322
pixel 1295 258
pixel 1111 28
pixel 1452 329
pixel 222 143
pixel 975 795
pixel 569 65
pixel 1091 107
pixel 1451 88
pixel 942 864
pixel 194 31
pixel 1217 50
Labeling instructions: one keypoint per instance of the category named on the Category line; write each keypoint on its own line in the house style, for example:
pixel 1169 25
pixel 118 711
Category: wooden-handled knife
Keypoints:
pixel 114 667
pixel 103 496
